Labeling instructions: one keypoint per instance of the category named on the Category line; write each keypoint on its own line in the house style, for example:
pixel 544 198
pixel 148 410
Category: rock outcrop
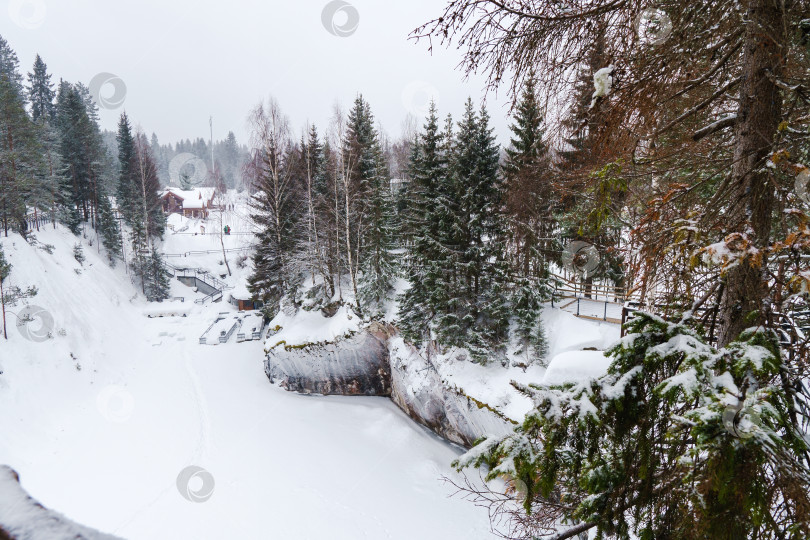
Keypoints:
pixel 372 363
pixel 417 388
pixel 356 365
pixel 24 518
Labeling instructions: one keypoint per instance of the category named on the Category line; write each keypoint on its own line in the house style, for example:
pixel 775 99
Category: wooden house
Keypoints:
pixel 191 203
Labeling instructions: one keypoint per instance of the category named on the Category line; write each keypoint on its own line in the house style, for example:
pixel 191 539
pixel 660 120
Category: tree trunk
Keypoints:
pixel 3 303
pixel 744 303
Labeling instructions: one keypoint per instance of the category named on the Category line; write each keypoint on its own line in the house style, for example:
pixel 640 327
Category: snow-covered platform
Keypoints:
pixel 252 326
pixel 221 329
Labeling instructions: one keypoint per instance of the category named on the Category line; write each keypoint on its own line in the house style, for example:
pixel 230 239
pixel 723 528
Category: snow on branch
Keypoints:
pixel 714 127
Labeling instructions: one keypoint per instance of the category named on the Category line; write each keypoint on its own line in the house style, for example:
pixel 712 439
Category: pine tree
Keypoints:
pixel 456 269
pixel 10 68
pixel 40 92
pixel 526 302
pixel 20 157
pixel 47 195
pixel 5 270
pixel 488 234
pixel 231 160
pixel 5 267
pixel 89 101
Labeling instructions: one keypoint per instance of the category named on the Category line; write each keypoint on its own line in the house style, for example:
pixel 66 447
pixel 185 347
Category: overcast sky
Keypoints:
pixel 183 60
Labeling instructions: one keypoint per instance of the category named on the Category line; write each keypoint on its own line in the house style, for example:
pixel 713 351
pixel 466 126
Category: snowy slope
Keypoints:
pixel 100 420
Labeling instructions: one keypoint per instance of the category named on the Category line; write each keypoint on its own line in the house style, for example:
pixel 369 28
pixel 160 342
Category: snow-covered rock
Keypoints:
pixel 418 389
pixel 576 367
pixel 353 365
pixel 371 362
pixel 312 353
pixel 23 518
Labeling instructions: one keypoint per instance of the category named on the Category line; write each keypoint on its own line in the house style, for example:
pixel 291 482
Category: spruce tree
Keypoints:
pixel 82 154
pixel 676 440
pixel 370 207
pixel 377 265
pixel 316 191
pixel 457 272
pixel 156 281
pixel 125 189
pixel 530 200
pixel 422 301
pixel 108 228
pixel 476 315
pixel 530 206
pixel 40 92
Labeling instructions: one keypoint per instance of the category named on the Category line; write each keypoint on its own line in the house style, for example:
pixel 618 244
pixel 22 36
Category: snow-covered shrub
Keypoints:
pixel 78 253
pixel 527 304
pixel 14 294
pixel 5 267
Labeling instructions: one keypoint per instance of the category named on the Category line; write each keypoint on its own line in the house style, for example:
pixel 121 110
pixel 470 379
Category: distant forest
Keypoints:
pixel 229 156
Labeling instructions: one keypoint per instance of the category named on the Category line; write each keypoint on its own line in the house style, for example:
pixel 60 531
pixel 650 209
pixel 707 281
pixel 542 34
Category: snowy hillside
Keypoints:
pixel 101 418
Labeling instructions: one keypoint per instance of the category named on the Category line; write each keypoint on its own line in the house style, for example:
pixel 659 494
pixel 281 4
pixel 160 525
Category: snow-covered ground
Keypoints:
pixel 101 419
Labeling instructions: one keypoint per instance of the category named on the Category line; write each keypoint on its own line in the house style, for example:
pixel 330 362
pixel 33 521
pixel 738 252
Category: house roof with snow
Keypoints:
pixel 195 198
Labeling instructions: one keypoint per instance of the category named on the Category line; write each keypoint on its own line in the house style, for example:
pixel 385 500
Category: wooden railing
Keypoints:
pixel 568 288
pixel 571 293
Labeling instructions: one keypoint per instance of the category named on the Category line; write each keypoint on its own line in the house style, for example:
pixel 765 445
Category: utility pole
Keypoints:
pixel 211 125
